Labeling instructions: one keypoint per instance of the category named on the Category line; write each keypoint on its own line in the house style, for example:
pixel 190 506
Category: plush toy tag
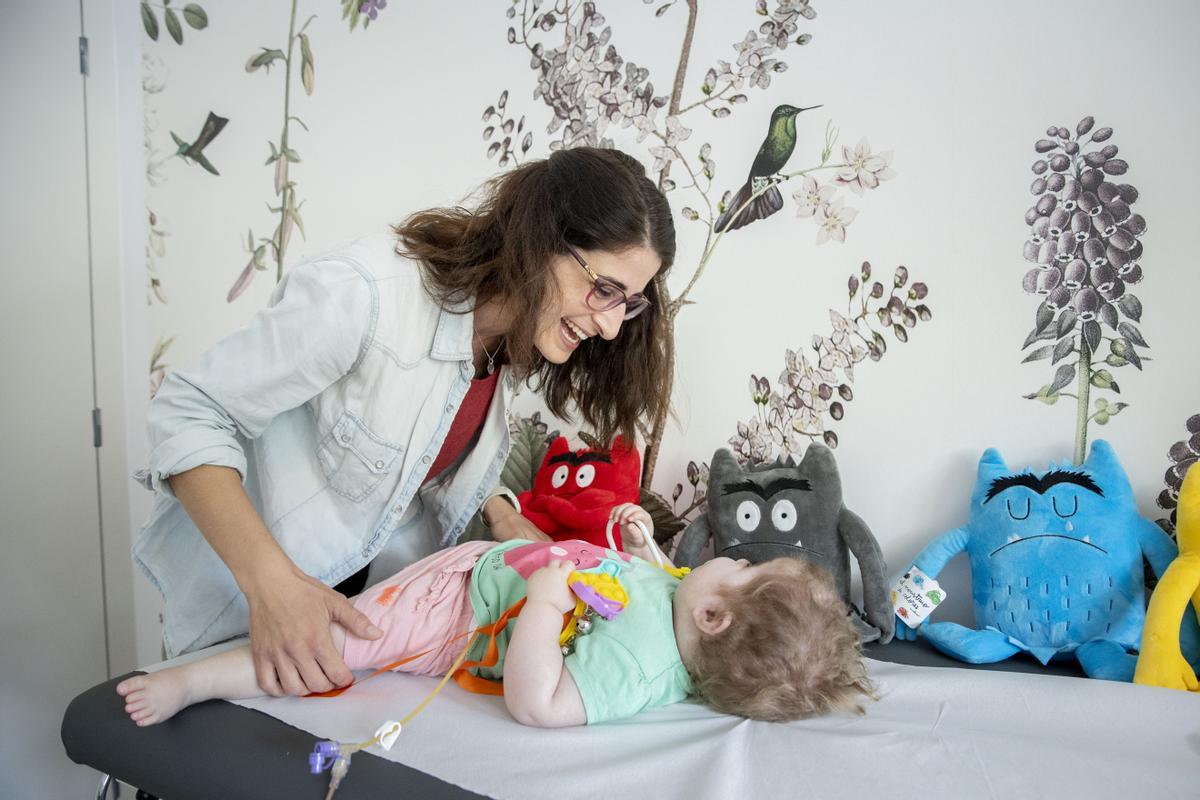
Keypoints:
pixel 916 596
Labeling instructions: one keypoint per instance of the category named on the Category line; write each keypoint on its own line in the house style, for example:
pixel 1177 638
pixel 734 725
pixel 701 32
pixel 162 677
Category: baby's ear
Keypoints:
pixel 711 618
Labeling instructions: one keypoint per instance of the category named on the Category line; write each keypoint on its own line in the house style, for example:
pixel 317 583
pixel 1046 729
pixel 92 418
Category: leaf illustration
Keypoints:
pixel 1131 307
pixel 591 441
pixel 1038 354
pixel 1062 376
pixel 1066 323
pixel 666 524
pixel 1092 334
pixel 1108 315
pixel 529 447
pixel 195 16
pixel 1063 349
pixel 149 22
pixel 264 59
pixel 294 213
pixel 1131 332
pixel 1045 315
pixel 1045 395
pixel 173 25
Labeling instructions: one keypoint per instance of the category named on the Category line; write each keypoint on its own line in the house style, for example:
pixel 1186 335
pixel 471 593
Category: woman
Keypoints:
pixel 359 422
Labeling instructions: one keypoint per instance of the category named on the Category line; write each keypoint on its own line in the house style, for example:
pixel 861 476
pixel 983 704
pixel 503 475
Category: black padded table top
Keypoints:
pixel 221 750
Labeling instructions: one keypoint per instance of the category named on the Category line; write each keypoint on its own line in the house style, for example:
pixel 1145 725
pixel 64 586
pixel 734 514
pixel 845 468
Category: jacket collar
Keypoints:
pixel 452 340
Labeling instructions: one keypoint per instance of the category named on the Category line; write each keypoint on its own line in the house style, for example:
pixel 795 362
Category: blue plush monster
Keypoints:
pixel 1056 566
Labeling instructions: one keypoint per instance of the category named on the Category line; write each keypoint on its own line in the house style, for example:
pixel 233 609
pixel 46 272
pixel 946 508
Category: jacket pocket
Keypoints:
pixel 355 460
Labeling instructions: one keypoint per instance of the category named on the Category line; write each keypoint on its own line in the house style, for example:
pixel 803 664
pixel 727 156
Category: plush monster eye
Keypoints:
pixel 1062 512
pixel 585 476
pixel 783 515
pixel 560 476
pixel 1012 512
pixel 748 515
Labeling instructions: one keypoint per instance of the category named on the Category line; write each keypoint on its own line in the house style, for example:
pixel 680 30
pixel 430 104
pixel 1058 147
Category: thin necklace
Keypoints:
pixel 491 357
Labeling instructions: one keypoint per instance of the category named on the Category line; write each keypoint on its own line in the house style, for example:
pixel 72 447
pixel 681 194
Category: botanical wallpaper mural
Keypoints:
pixel 264 250
pixel 591 87
pixel 1084 240
pixel 154 72
pixel 1183 454
pixel 296 67
pixel 837 172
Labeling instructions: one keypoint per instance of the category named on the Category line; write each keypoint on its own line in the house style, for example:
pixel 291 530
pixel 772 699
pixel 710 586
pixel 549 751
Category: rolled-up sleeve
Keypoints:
pixel 318 326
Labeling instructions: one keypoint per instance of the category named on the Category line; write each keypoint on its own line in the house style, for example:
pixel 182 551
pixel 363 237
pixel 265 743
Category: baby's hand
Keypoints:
pixel 549 585
pixel 624 516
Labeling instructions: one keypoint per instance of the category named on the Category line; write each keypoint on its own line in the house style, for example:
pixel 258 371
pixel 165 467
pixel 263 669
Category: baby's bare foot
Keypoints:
pixel 156 697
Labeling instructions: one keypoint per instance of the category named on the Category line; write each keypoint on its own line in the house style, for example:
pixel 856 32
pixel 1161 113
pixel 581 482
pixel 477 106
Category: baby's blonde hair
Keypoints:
pixel 790 651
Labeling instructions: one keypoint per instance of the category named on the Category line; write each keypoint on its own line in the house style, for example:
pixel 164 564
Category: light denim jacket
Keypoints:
pixel 332 403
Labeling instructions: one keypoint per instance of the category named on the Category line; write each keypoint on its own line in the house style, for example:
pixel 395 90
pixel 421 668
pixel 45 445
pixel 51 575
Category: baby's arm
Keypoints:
pixel 538 689
pixel 631 535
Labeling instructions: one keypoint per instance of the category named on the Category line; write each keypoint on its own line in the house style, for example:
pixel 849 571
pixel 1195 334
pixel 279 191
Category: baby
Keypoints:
pixel 770 641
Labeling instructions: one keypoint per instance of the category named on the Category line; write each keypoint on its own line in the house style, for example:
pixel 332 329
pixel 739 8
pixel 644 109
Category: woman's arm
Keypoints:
pixel 290 612
pixel 506 523
pixel 312 335
pixel 538 689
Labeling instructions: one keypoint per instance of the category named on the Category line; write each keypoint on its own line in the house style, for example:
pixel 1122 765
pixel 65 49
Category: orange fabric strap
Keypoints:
pixel 471 683
pixel 474 683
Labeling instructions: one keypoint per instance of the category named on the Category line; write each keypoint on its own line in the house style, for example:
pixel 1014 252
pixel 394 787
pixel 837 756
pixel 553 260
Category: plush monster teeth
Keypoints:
pixel 1014 538
pixel 734 542
pixel 1087 539
pixel 798 543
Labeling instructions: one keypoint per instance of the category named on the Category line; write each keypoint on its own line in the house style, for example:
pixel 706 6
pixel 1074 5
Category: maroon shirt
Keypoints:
pixel 466 424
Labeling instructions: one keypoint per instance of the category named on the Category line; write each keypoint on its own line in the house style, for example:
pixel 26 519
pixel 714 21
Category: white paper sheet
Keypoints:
pixel 935 733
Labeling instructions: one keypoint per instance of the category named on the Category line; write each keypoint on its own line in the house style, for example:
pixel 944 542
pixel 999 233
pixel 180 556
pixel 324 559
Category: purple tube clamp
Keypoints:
pixel 322 756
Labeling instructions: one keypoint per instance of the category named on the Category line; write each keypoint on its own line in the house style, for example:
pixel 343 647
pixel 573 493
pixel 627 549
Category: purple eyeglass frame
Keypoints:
pixel 634 303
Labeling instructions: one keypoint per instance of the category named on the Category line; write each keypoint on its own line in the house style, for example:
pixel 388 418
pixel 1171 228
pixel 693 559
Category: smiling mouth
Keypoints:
pixel 793 545
pixel 572 332
pixel 1018 539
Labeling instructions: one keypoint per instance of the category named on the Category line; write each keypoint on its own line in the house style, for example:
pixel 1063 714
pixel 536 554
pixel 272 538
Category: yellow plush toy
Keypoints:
pixel 1161 662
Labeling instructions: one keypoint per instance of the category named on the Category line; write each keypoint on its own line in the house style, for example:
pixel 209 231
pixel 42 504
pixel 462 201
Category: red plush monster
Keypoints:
pixel 573 492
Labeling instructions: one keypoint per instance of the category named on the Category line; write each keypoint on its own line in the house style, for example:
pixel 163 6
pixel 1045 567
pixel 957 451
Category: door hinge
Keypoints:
pixel 97 437
pixel 83 55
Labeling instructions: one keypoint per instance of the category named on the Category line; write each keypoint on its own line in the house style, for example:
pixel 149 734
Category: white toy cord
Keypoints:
pixel 654 551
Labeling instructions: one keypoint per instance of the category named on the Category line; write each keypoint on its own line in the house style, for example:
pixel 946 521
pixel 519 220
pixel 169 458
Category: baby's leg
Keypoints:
pixel 229 675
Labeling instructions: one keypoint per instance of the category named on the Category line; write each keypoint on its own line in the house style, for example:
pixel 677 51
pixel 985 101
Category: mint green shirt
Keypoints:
pixel 622 666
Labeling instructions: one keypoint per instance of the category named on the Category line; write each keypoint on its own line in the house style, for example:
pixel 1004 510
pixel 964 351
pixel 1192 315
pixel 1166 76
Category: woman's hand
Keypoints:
pixel 290 642
pixel 506 523
pixel 549 585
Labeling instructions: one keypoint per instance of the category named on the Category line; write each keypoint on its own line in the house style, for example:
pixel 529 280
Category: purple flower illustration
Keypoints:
pixel 1085 247
pixel 814 387
pixel 1184 454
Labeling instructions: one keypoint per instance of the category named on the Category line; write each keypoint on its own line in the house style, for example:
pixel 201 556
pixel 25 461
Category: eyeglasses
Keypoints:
pixel 607 295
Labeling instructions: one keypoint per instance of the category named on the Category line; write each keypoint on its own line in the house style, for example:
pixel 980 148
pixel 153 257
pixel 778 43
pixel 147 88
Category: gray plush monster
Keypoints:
pixel 788 509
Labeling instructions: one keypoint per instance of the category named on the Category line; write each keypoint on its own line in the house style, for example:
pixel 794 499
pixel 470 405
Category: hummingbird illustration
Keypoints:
pixel 774 153
pixel 195 150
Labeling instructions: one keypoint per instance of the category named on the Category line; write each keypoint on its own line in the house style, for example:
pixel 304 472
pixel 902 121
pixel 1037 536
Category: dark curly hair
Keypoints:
pixel 592 199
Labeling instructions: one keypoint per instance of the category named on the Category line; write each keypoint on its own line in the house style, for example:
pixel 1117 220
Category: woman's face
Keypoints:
pixel 567 319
